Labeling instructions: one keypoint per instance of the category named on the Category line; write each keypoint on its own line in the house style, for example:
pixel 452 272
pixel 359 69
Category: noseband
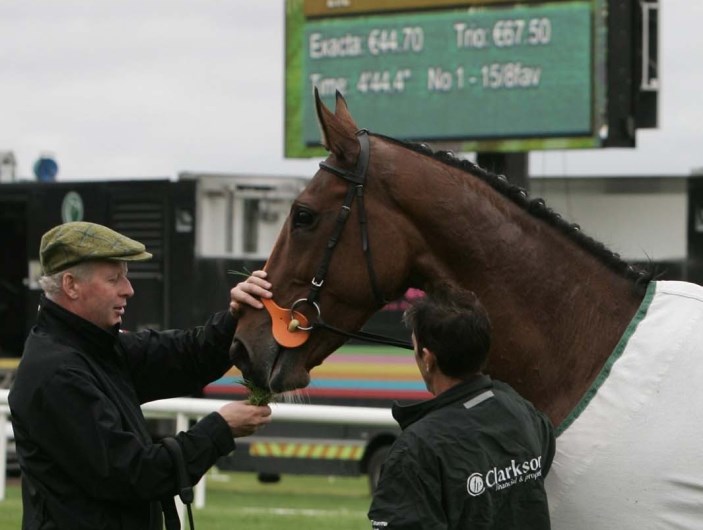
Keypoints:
pixel 289 336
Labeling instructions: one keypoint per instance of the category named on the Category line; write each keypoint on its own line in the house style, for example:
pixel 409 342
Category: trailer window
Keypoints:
pixel 240 217
pixel 250 235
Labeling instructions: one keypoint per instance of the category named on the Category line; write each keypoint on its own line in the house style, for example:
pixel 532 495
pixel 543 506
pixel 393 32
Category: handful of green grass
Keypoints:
pixel 257 395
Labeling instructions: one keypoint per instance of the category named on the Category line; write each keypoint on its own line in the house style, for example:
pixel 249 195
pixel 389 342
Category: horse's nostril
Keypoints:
pixel 239 356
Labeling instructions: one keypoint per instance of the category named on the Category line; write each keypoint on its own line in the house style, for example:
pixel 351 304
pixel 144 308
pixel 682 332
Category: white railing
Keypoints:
pixel 185 409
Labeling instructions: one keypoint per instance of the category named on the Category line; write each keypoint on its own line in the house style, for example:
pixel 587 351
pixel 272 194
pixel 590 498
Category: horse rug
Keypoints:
pixel 631 455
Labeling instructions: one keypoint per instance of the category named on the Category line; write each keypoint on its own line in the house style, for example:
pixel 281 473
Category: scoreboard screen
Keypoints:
pixel 488 76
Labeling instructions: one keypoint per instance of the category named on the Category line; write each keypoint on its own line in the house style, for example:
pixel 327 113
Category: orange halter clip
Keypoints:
pixel 286 325
pixel 289 328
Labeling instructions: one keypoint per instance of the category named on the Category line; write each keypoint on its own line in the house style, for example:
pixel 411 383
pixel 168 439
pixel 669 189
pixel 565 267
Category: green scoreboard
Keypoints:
pixel 486 75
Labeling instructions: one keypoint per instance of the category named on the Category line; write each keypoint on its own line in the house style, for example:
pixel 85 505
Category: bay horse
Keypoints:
pixel 569 317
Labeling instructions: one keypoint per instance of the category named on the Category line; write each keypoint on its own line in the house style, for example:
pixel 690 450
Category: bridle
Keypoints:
pixel 296 321
pixel 356 180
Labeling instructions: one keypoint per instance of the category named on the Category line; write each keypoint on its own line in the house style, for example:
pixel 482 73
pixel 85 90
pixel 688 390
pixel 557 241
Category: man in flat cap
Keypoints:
pixel 87 459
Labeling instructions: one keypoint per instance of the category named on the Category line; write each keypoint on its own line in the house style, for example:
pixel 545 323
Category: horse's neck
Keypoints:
pixel 557 311
pixel 556 322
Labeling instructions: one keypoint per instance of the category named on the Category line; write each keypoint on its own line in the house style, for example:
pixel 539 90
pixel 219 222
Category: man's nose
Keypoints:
pixel 128 290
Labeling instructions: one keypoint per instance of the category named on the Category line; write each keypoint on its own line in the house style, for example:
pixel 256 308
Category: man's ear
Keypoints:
pixel 429 359
pixel 69 286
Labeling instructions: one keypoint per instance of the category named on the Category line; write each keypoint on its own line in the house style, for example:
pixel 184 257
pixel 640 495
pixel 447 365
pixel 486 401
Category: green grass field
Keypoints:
pixel 238 500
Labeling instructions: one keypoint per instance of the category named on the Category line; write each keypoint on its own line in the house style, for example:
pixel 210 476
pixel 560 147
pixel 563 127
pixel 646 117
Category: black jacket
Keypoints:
pixel 87 459
pixel 474 457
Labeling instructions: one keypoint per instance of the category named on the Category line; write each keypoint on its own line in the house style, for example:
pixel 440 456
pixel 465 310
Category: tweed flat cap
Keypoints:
pixel 72 243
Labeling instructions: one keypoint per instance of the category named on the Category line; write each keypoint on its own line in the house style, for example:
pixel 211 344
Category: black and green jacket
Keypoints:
pixel 474 457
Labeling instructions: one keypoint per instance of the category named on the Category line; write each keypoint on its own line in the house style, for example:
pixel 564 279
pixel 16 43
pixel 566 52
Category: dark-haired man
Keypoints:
pixel 473 457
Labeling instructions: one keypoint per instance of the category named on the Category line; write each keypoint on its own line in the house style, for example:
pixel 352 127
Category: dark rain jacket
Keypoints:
pixel 87 459
pixel 474 457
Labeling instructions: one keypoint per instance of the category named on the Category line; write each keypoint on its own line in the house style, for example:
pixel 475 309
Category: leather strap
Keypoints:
pixel 185 489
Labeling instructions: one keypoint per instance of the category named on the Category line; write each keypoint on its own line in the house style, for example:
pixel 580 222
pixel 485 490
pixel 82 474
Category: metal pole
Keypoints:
pixel 181 425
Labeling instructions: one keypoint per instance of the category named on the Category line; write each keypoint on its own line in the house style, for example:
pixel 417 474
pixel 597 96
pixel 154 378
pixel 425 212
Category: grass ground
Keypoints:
pixel 238 500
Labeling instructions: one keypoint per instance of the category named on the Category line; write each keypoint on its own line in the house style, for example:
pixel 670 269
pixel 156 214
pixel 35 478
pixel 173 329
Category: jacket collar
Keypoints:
pixel 406 415
pixel 78 330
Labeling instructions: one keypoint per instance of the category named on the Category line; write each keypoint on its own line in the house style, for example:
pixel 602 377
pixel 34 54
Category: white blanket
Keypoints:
pixel 633 457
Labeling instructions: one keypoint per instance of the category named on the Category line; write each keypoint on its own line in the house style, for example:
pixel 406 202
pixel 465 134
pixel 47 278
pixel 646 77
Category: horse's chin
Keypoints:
pixel 288 372
pixel 277 369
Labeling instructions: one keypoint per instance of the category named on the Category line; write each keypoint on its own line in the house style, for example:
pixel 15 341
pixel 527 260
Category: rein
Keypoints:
pixel 288 336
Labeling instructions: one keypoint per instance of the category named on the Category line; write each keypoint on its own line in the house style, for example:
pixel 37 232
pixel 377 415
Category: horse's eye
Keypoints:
pixel 303 218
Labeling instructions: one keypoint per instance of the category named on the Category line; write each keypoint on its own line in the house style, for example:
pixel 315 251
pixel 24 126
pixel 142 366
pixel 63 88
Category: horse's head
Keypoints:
pixel 338 259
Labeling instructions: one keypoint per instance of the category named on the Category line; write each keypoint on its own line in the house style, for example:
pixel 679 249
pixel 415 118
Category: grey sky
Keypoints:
pixel 150 88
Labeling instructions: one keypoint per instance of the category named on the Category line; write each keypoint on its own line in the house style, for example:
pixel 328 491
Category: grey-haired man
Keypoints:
pixel 87 459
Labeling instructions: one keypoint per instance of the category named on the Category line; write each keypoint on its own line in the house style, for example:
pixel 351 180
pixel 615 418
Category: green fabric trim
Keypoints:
pixel 617 352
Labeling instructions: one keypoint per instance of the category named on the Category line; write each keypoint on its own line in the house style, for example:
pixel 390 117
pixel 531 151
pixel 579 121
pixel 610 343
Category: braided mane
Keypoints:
pixel 537 208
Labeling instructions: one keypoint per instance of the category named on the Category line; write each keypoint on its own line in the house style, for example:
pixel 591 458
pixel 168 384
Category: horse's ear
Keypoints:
pixel 338 130
pixel 323 117
pixel 341 110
